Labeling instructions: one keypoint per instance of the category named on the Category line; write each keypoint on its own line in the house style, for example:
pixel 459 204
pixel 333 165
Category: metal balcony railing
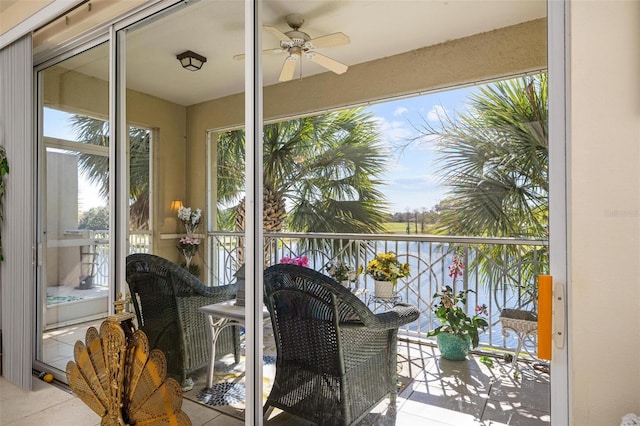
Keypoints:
pixel 501 272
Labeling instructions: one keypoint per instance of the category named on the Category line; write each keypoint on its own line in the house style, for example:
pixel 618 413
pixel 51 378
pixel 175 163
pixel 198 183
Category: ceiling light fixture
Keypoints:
pixel 191 60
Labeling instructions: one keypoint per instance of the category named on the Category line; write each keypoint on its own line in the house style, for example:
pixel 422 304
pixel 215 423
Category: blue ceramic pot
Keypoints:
pixel 452 347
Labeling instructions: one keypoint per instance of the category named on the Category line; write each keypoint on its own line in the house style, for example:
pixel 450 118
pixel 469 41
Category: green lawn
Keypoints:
pixel 401 228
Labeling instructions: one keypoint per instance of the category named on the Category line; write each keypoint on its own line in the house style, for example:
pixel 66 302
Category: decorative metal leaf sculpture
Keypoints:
pixel 121 380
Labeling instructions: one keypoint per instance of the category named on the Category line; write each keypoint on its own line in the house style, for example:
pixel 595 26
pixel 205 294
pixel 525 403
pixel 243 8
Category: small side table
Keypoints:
pixel 524 324
pixel 386 302
pixel 219 316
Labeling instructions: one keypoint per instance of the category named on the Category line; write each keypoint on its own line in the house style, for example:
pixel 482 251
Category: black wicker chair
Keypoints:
pixel 166 299
pixel 336 359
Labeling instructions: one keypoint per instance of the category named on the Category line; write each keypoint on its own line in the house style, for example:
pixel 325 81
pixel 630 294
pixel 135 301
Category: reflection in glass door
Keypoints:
pixel 73 281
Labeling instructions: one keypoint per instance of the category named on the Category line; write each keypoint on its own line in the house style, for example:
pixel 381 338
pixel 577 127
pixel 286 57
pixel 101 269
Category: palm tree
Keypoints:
pixel 96 168
pixel 320 174
pixel 494 161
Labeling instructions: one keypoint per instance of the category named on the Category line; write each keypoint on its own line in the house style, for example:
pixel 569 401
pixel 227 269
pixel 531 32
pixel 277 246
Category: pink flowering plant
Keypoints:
pixel 189 247
pixel 297 260
pixel 450 309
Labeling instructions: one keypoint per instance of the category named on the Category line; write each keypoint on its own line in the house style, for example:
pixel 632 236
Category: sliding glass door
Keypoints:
pixel 74 279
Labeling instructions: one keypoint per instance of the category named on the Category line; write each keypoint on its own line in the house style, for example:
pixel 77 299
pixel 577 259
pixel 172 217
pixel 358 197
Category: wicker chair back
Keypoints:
pixel 166 299
pixel 336 359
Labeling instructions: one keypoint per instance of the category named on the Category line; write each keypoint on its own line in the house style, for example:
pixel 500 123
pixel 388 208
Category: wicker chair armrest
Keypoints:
pixel 220 293
pixel 400 314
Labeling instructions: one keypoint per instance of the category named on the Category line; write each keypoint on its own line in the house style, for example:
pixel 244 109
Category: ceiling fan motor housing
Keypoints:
pixel 299 38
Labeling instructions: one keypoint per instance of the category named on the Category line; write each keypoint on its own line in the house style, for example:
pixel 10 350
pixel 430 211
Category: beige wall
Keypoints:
pixel 169 163
pixel 12 12
pixel 51 33
pixel 604 210
pixel 517 49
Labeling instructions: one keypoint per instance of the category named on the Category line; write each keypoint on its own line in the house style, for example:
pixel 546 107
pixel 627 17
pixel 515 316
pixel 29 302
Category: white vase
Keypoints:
pixel 384 289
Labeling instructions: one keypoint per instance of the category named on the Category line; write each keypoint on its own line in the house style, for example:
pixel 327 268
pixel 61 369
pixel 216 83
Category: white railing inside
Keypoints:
pixel 139 242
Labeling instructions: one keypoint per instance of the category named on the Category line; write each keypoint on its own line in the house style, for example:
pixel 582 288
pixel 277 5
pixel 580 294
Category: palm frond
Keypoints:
pixel 493 160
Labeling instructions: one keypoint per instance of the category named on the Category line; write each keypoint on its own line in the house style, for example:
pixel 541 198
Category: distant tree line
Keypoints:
pixel 422 220
pixel 96 218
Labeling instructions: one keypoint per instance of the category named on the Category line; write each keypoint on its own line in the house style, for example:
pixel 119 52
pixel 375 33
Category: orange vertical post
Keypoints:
pixel 545 292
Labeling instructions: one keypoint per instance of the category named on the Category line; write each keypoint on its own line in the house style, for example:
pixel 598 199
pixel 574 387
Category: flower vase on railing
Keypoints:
pixel 385 269
pixel 189 244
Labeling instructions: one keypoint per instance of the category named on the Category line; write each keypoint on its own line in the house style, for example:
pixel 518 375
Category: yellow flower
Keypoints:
pixel 386 267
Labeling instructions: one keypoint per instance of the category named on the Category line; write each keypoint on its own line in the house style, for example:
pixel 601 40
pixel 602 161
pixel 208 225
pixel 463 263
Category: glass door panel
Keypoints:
pixel 177 90
pixel 73 283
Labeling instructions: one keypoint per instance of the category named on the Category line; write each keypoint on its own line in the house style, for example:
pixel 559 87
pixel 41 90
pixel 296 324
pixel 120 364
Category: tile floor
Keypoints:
pixel 442 393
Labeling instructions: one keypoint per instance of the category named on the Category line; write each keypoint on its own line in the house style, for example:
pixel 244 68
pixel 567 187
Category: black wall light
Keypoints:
pixel 191 60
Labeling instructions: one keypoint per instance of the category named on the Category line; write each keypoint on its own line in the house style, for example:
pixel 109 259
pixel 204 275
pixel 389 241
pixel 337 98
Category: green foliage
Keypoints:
pixel 96 218
pixel 486 361
pixel 326 167
pixel 450 311
pixel 96 167
pixel 494 161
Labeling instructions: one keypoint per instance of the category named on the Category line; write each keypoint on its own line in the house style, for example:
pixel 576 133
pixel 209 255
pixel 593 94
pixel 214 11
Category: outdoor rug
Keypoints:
pixel 228 393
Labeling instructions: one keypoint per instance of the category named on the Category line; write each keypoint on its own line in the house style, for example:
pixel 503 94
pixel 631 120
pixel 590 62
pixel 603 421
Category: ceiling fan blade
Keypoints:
pixel 328 63
pixel 274 51
pixel 288 68
pixel 276 33
pixel 330 40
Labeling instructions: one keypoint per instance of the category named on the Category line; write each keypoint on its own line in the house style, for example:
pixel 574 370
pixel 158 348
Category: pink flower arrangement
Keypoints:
pixel 189 247
pixel 297 260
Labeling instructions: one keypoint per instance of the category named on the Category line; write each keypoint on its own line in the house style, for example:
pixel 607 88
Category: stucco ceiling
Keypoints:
pixel 215 29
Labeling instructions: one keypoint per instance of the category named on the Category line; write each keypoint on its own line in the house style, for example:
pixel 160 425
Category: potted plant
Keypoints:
pixel 189 244
pixel 343 272
pixel 458 331
pixel 385 269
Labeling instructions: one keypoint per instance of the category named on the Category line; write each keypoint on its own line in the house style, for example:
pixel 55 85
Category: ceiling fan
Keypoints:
pixel 297 43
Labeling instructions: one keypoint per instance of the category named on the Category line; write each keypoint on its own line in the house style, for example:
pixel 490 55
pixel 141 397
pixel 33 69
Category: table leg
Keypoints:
pixel 215 328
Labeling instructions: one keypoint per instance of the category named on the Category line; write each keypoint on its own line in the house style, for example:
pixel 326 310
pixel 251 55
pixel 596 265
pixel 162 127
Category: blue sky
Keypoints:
pixel 411 182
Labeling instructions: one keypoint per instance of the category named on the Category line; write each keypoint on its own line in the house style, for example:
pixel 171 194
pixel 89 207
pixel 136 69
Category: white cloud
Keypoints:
pixel 394 131
pixel 436 112
pixel 400 111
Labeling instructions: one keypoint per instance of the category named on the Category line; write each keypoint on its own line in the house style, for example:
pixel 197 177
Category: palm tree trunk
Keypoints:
pixel 273 220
